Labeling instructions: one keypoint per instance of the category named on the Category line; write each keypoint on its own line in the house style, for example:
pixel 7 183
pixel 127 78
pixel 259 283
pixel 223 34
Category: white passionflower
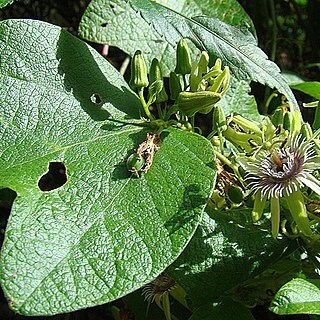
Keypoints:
pixel 280 173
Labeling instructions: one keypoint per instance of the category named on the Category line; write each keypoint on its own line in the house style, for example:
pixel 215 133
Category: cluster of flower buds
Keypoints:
pixel 139 80
pixel 194 86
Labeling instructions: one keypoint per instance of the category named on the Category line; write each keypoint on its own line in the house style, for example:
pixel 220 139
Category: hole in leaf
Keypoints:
pixel 96 98
pixel 103 25
pixel 54 178
pixel 112 6
pixel 7 197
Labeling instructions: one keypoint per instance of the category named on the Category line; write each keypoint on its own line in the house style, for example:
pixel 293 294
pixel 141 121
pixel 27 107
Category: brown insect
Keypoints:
pixel 141 160
pixel 147 149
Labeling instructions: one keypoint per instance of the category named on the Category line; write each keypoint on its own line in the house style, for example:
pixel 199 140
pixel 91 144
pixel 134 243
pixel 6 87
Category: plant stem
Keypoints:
pixel 143 102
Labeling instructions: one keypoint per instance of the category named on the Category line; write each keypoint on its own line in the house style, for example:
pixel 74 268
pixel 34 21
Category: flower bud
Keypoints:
pixel 306 131
pixel 287 121
pixel 154 90
pixel 277 117
pixel 221 83
pixel 189 103
pixel 139 74
pixel 295 126
pixel 316 121
pixel 155 75
pixel 183 64
pixel 175 86
pixel 214 71
pixel 219 119
pixel 198 70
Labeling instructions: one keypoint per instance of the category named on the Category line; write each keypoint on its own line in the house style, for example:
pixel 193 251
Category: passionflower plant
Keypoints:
pixel 281 173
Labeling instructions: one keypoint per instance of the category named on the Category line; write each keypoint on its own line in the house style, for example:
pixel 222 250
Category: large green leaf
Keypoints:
pixel 224 252
pixel 103 233
pixel 155 29
pixel 312 88
pixel 229 11
pixel 238 100
pixel 298 296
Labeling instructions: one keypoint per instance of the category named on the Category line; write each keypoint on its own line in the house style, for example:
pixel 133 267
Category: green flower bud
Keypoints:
pixel 306 131
pixel 247 125
pixel 259 204
pixel 295 202
pixel 175 86
pixel 221 83
pixel 316 121
pixel 198 70
pixel 214 71
pixel 183 64
pixel 277 117
pixel 295 126
pixel 219 119
pixel 139 74
pixel 235 194
pixel 154 90
pixel 287 121
pixel 189 103
pixel 154 75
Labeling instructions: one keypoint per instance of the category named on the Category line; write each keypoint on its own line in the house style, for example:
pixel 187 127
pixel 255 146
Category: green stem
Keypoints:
pixel 144 104
pixel 192 122
pixel 221 139
pixel 159 110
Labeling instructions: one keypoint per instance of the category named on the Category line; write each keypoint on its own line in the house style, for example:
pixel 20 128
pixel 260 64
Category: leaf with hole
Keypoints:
pixel 157 29
pixel 83 231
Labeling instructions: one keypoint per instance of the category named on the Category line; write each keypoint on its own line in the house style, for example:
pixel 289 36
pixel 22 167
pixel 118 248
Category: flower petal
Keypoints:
pixel 311 182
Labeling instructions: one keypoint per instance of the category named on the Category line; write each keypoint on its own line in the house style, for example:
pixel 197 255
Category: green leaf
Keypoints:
pixel 311 88
pixel 103 233
pixel 229 11
pixel 298 296
pixel 157 30
pixel 238 100
pixel 4 3
pixel 223 253
pixel 224 309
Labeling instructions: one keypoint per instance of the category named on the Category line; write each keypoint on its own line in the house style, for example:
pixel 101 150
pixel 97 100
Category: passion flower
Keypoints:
pixel 280 173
